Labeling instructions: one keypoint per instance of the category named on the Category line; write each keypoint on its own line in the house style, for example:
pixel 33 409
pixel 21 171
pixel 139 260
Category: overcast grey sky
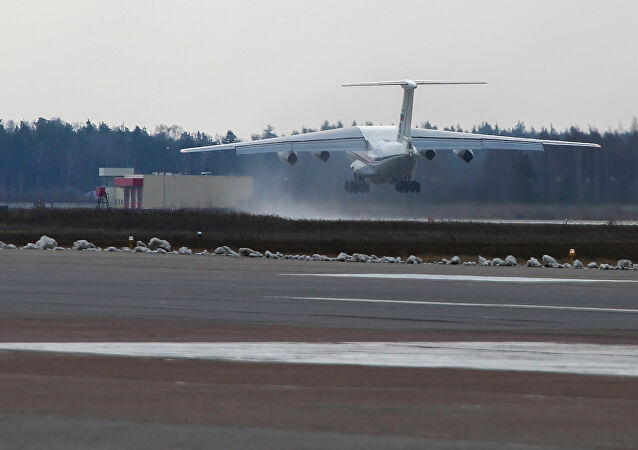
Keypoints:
pixel 219 65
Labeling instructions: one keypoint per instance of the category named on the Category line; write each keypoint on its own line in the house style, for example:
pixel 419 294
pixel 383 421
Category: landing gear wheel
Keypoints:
pixel 405 186
pixel 357 186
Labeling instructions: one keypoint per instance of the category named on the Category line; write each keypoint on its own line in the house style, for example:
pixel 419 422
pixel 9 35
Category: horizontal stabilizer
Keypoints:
pixel 411 83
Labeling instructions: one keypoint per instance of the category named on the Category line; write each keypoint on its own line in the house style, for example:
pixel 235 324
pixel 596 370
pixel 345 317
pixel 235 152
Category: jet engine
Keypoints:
pixel 289 157
pixel 428 154
pixel 464 155
pixel 322 156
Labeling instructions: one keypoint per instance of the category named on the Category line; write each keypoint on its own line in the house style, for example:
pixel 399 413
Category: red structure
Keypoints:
pixel 102 197
pixel 132 191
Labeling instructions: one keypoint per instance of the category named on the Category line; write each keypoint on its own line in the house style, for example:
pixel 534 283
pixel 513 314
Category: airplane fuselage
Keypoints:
pixel 387 160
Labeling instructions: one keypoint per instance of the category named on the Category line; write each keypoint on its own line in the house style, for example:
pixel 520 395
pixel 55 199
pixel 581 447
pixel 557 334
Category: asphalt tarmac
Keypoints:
pixel 248 290
pixel 76 401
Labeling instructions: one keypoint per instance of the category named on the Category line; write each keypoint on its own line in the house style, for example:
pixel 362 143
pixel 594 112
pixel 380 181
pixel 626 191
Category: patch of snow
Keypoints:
pixel 46 243
pixel 469 263
pixel 10 247
pixel 343 257
pixel 31 246
pixel 445 261
pixel 203 253
pixel 270 255
pixel 2 244
pixel 83 244
pixel 578 264
pixel 140 244
pixel 592 265
pixel 604 267
pixel 576 358
pixel 224 250
pixel 126 249
pixel 157 243
pixel 484 262
pixel 549 261
pixel 249 252
pixel 455 260
pixel 625 264
pixel 533 262
pixel 185 251
pixel 510 261
pixel 59 248
pixel 498 262
pixel 413 260
pixel 359 257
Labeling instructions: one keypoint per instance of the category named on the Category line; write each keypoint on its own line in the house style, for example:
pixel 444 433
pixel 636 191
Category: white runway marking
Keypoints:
pixel 479 278
pixel 512 356
pixel 465 304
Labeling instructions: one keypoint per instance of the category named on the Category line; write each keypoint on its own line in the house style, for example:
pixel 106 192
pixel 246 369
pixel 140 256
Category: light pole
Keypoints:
pixel 167 149
pixel 8 177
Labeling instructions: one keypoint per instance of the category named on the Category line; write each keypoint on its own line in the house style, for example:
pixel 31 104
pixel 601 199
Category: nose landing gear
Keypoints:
pixel 405 186
pixel 357 186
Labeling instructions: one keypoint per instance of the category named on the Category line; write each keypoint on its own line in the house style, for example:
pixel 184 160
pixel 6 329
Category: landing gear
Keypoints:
pixel 357 186
pixel 405 186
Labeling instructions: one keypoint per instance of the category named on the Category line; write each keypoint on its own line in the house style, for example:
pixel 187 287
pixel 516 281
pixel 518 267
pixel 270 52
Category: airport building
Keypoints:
pixel 108 176
pixel 173 191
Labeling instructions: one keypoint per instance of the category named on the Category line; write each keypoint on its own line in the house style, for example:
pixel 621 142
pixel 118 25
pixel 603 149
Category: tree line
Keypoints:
pixel 56 160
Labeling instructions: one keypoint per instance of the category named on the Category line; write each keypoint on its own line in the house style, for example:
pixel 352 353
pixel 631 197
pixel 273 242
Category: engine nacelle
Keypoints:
pixel 428 154
pixel 289 157
pixel 322 156
pixel 464 155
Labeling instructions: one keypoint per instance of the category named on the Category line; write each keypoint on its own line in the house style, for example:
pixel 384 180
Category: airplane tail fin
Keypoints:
pixel 405 121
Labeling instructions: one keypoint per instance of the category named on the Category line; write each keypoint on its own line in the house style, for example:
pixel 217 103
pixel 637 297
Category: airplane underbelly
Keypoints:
pixel 388 169
pixel 395 169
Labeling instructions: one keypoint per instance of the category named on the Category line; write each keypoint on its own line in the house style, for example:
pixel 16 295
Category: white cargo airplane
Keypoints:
pixel 387 154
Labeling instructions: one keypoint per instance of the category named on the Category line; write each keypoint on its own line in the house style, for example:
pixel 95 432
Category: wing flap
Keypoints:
pixel 426 139
pixel 336 140
pixel 446 144
pixel 263 148
pixel 493 144
pixel 335 145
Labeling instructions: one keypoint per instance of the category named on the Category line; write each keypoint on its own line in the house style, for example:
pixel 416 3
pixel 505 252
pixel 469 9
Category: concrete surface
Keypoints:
pixel 76 401
pixel 249 290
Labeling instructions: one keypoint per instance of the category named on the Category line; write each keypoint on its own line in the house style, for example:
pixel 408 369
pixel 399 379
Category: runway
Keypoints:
pixel 247 290
pixel 81 297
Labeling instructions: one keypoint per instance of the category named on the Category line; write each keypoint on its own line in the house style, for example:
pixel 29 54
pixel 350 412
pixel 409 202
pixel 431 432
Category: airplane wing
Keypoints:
pixel 340 139
pixel 425 139
pixel 352 139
